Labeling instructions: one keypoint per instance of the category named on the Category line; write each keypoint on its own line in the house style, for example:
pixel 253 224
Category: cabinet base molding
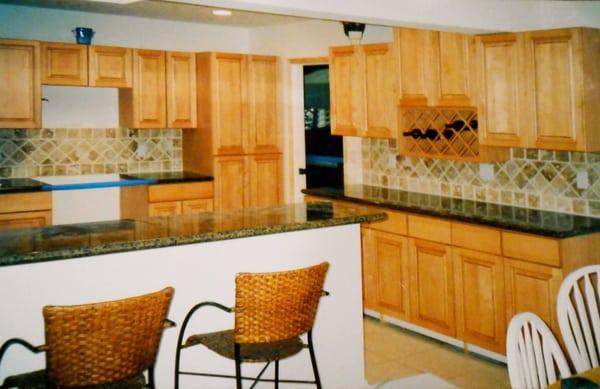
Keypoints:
pixel 437 336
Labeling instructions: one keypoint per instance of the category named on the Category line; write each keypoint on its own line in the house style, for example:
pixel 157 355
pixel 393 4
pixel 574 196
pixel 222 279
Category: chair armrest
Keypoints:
pixel 324 293
pixel 24 343
pixel 168 324
pixel 191 313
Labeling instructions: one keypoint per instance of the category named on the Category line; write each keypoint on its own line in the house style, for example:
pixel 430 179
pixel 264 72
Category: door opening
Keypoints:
pixel 324 152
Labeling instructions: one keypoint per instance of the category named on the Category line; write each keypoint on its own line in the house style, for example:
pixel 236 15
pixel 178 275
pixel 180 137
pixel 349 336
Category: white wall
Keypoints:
pixel 98 107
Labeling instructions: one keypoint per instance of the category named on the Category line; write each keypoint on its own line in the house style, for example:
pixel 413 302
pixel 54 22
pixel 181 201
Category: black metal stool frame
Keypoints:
pixel 238 369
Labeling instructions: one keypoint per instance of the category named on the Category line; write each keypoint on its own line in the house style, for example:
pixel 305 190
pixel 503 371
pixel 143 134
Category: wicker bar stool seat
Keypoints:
pixel 272 311
pixel 107 345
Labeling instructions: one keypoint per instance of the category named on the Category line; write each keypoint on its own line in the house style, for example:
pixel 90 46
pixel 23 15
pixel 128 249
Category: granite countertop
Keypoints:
pixel 169 177
pixel 23 246
pixel 19 185
pixel 545 223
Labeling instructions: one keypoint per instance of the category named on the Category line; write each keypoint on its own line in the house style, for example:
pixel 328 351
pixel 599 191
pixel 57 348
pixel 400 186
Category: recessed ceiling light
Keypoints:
pixel 221 12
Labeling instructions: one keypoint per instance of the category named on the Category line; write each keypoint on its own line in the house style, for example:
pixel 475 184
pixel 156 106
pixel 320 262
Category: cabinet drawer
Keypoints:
pixel 23 202
pixel 428 228
pixel 477 238
pixel 531 248
pixel 395 223
pixel 176 192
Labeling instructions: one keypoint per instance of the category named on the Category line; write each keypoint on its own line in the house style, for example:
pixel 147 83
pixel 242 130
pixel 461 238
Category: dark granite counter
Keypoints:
pixel 169 177
pixel 19 185
pixel 551 224
pixel 23 246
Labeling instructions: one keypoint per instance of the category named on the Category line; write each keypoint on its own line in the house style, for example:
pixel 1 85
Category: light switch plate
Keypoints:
pixel 583 180
pixel 486 171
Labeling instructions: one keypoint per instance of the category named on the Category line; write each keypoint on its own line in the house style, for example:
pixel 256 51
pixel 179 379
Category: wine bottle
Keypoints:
pixel 430 134
pixel 457 126
pixel 415 133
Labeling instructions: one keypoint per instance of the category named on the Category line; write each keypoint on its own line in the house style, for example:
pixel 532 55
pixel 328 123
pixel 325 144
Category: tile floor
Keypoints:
pixel 392 352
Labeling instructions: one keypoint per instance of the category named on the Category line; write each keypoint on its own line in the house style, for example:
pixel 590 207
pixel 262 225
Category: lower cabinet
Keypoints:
pixel 432 286
pixel 25 210
pixel 164 208
pixel 25 219
pixel 480 308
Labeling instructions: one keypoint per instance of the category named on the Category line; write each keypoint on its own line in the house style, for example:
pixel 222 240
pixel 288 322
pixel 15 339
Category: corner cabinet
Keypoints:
pixel 362 90
pixel 20 86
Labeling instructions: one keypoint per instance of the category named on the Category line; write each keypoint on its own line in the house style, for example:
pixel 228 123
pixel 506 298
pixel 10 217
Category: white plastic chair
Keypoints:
pixel 533 354
pixel 578 317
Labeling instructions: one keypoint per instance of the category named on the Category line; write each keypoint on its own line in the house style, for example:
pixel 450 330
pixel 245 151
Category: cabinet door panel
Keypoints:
pixel 532 288
pixel 149 100
pixel 231 185
pixel 369 270
pixel 380 91
pixel 432 286
pixel 414 65
pixel 555 81
pixel 454 78
pixel 264 109
pixel 110 66
pixel 500 104
pixel 64 64
pixel 197 206
pixel 20 89
pixel 266 187
pixel 25 220
pixel 345 91
pixel 166 208
pixel 479 280
pixel 181 90
pixel 230 100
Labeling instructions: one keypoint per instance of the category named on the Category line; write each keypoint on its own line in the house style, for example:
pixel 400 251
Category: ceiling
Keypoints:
pixel 159 9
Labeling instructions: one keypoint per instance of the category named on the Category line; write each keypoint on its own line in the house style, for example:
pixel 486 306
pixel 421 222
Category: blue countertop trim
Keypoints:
pixel 95 185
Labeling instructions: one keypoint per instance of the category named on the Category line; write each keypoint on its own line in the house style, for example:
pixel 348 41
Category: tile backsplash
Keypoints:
pixel 75 151
pixel 538 179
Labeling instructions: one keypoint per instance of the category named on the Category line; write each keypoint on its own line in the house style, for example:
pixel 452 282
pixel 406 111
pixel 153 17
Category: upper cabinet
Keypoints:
pixel 263 99
pixel 435 68
pixel 20 88
pixel 540 89
pixel 110 66
pixel 362 90
pixel 181 90
pixel 64 64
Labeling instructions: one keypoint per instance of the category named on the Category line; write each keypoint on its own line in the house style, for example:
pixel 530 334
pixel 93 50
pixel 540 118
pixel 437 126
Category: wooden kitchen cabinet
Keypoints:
pixel 189 207
pixel 25 210
pixel 20 86
pixel 64 64
pixel 480 304
pixel 431 286
pixel 232 188
pixel 110 66
pixel 362 90
pixel 181 90
pixel 164 208
pixel 414 66
pixel 263 101
pixel 25 219
pixel 266 182
pixel 144 105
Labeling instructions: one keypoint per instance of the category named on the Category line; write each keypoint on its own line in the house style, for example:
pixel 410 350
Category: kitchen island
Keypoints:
pixel 199 256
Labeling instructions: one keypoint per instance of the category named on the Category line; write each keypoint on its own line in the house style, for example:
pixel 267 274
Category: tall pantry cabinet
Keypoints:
pixel 237 139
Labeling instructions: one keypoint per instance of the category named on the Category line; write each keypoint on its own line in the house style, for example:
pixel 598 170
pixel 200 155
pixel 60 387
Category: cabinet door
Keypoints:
pixel 25 220
pixel 453 75
pixel 532 288
pixel 20 88
pixel 413 59
pixel 390 260
pixel 432 286
pixel 500 74
pixel 380 91
pixel 166 208
pixel 231 182
pixel 230 114
pixel 555 81
pixel 263 94
pixel 149 100
pixel 64 64
pixel 346 90
pixel 479 282
pixel 181 90
pixel 369 269
pixel 110 66
pixel 197 206
pixel 266 187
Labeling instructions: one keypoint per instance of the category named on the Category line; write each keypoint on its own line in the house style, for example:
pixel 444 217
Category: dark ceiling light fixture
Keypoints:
pixel 354 31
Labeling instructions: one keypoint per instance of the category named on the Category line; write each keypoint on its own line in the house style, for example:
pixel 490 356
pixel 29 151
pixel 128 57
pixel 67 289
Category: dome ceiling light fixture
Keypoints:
pixel 354 31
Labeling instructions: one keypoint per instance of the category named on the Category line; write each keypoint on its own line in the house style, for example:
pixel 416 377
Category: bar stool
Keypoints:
pixel 271 311
pixel 101 345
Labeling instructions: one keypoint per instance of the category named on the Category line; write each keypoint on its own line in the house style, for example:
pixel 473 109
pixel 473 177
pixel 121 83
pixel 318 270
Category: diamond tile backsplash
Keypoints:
pixel 538 179
pixel 61 151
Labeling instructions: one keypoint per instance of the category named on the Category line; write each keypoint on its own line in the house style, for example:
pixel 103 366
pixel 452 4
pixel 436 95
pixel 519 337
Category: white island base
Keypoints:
pixel 200 272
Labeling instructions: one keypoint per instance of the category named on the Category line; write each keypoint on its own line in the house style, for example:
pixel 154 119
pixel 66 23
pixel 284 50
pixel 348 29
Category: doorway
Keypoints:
pixel 324 153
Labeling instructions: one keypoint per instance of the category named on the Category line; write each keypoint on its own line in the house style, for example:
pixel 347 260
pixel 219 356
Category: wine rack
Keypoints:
pixel 443 133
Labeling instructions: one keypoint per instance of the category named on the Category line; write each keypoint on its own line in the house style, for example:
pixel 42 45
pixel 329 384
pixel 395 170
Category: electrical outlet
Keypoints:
pixel 583 180
pixel 486 171
pixel 392 160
